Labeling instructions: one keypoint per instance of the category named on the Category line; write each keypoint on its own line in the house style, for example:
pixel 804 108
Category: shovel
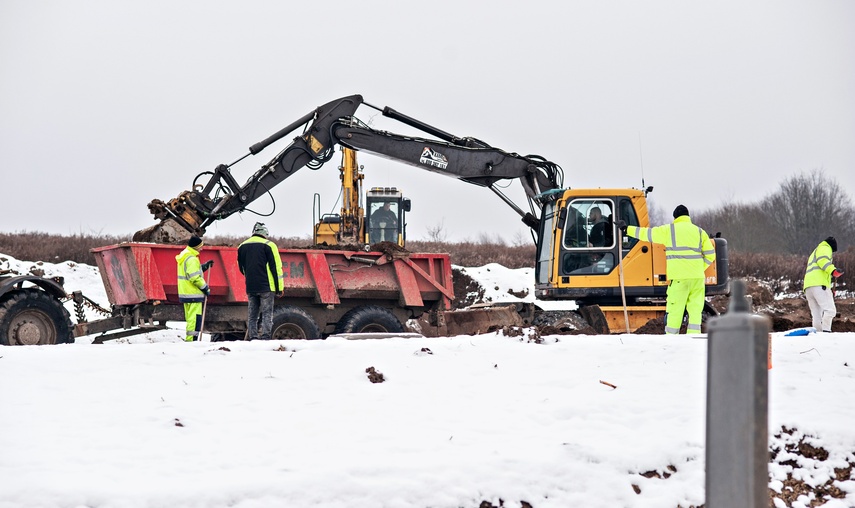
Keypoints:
pixel 620 274
pixel 204 308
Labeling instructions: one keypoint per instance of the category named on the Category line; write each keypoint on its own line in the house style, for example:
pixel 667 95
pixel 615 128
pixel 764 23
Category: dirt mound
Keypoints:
pixel 467 291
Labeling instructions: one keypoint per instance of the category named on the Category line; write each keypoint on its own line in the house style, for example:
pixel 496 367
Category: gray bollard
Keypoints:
pixel 737 447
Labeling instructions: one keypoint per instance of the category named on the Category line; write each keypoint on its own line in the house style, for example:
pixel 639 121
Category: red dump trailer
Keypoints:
pixel 326 291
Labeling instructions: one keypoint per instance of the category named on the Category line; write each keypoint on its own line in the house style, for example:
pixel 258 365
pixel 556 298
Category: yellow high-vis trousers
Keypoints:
pixel 684 295
pixel 193 316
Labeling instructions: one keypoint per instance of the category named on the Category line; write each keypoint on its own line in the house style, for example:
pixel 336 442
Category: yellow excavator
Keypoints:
pixel 616 281
pixel 381 218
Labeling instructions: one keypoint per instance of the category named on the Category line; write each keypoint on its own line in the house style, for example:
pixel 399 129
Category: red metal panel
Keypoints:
pixel 431 281
pixel 120 277
pixel 139 272
pixel 410 294
pixel 325 289
pixel 153 284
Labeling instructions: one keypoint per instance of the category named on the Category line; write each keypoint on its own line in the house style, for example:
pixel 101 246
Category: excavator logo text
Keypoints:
pixel 433 158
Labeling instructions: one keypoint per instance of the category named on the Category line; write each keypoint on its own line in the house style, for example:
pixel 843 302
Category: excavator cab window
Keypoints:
pixel 627 214
pixel 545 243
pixel 588 238
pixel 384 218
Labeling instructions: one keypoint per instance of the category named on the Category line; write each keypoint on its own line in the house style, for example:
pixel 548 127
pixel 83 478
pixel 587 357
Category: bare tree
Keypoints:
pixel 746 227
pixel 656 214
pixel 437 233
pixel 808 207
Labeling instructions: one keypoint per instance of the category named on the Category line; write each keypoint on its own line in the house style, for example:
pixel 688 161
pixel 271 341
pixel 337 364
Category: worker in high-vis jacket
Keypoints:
pixel 688 253
pixel 820 269
pixel 192 288
pixel 259 262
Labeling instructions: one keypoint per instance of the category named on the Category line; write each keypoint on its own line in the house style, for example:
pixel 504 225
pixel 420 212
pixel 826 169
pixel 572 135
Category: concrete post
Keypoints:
pixel 737 448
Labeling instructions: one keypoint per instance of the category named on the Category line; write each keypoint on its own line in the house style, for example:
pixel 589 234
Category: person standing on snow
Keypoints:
pixel 688 253
pixel 820 269
pixel 259 262
pixel 192 288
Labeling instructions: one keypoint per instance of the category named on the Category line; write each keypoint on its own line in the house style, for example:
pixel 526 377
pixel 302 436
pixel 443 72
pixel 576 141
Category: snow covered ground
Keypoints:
pixel 153 421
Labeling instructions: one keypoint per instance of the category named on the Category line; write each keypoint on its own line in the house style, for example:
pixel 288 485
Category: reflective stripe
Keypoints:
pixel 672 331
pixel 190 285
pixel 819 266
pixel 693 329
pixel 684 256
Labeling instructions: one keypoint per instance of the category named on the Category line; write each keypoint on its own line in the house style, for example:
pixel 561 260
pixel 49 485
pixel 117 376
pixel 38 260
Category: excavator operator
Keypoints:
pixel 384 224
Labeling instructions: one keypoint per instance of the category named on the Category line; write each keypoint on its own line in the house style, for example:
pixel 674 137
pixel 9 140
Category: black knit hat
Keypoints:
pixel 832 242
pixel 680 211
pixel 194 241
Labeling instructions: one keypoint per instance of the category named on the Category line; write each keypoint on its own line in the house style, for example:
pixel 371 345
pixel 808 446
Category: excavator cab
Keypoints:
pixel 386 220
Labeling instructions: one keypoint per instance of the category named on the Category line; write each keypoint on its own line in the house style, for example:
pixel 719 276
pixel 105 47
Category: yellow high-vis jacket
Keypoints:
pixel 688 248
pixel 819 266
pixel 191 283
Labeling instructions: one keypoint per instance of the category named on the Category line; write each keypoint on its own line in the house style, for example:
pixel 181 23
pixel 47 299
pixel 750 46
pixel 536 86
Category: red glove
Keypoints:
pixel 837 273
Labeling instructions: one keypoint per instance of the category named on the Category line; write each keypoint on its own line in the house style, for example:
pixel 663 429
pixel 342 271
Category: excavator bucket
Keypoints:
pixel 168 232
pixel 475 320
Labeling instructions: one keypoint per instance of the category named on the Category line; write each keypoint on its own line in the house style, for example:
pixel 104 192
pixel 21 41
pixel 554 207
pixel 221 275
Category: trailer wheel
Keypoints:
pixel 30 317
pixel 222 337
pixel 293 323
pixel 369 319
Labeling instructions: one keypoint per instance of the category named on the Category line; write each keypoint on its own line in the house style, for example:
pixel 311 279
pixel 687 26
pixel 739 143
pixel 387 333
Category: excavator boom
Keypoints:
pixel 467 159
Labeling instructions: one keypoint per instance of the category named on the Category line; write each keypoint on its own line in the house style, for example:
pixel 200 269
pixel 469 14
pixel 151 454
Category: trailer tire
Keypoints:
pixel 31 316
pixel 291 322
pixel 222 337
pixel 369 319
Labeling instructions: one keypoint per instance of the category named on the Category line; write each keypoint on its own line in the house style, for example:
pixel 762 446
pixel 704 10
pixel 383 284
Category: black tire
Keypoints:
pixel 369 319
pixel 293 323
pixel 595 317
pixel 31 316
pixel 222 337
pixel 708 313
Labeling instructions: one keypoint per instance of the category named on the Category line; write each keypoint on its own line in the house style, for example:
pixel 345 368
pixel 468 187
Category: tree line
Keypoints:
pixel 804 210
pixel 768 240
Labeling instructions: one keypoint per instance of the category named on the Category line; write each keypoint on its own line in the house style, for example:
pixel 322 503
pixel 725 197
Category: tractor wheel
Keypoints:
pixel 31 316
pixel 595 317
pixel 293 323
pixel 369 319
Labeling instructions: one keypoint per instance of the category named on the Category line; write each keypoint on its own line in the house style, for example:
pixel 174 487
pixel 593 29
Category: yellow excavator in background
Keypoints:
pixel 381 218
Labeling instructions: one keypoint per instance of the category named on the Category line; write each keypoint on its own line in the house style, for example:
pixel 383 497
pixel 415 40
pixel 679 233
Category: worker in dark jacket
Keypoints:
pixel 820 269
pixel 260 264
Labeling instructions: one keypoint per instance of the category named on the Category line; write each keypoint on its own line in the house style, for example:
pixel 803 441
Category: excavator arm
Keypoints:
pixel 334 123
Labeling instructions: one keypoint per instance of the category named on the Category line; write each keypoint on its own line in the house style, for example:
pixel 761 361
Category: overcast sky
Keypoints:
pixel 107 105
